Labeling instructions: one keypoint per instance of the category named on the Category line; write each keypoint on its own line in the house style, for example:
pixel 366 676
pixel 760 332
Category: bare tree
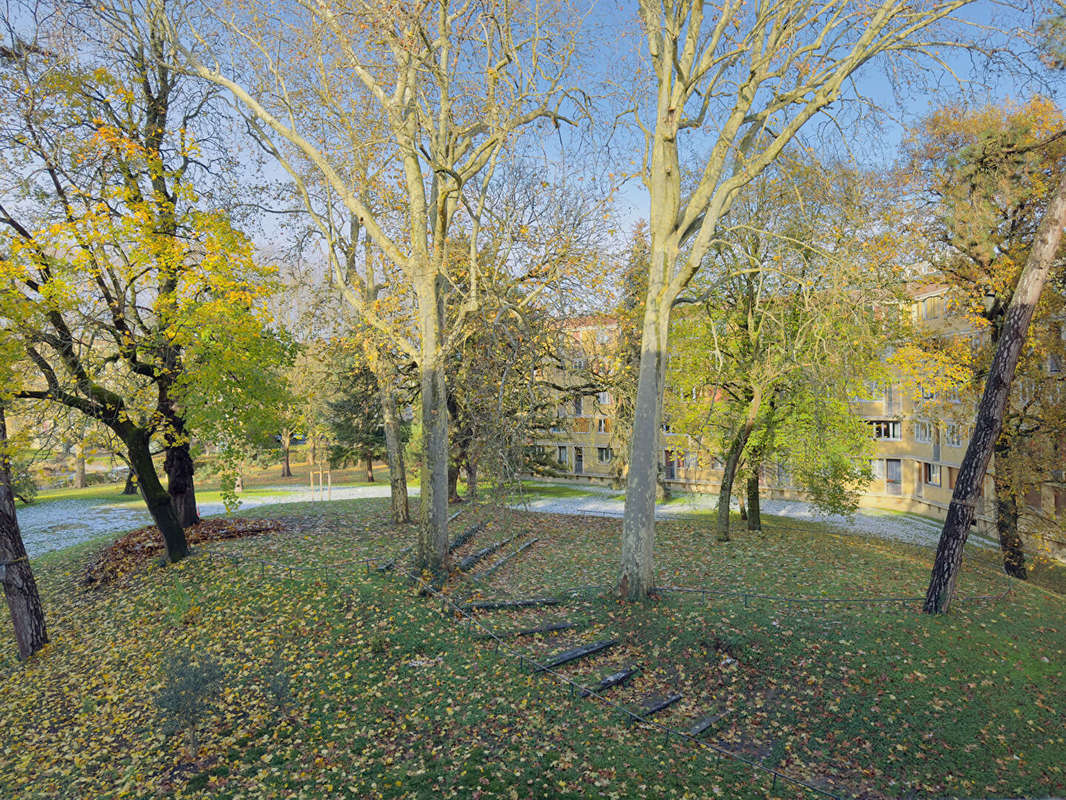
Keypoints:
pixel 449 87
pixel 739 86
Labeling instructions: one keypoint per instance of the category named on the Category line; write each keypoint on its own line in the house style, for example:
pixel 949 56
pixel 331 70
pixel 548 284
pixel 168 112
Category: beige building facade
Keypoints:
pixel 919 439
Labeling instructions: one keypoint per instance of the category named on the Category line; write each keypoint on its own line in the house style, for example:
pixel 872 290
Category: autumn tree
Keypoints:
pixel 787 325
pixel 984 178
pixel 16 575
pixel 115 274
pixel 1012 338
pixel 450 89
pixel 729 92
pixel 626 362
pixel 500 394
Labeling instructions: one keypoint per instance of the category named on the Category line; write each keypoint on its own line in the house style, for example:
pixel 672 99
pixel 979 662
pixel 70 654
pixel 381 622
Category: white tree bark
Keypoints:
pixel 747 80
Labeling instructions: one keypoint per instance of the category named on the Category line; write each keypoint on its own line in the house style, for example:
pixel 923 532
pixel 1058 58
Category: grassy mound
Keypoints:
pixel 281 666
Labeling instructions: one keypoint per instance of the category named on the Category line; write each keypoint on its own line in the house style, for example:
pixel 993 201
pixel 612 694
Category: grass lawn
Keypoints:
pixel 258 482
pixel 338 683
pixel 535 489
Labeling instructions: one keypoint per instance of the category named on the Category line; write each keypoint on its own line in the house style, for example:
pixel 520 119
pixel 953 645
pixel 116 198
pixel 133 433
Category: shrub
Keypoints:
pixel 189 681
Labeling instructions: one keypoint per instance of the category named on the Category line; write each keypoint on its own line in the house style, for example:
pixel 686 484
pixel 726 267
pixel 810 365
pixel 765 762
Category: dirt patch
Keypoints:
pixel 144 544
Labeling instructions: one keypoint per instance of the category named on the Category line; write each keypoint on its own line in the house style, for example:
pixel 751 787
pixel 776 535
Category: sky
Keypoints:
pixel 869 132
pixel 894 95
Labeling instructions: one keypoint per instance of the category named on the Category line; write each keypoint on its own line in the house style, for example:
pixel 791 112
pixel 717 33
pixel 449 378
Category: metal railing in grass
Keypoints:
pixel 577 689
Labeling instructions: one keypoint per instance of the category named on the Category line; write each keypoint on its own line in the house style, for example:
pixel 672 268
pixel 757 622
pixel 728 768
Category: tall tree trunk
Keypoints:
pixel 989 420
pixel 729 473
pixel 754 516
pixel 79 466
pixel 394 453
pixel 158 500
pixel 636 579
pixel 433 528
pixel 471 479
pixel 180 468
pixel 131 483
pixel 1007 513
pixel 311 451
pixel 286 449
pixel 453 483
pixel 369 469
pixel 20 589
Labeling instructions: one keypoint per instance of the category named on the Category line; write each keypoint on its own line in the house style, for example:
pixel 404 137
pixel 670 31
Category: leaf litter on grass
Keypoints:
pixel 382 696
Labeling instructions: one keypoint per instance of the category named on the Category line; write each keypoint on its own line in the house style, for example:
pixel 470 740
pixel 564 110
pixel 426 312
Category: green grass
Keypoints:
pixel 110 492
pixel 207 490
pixel 536 489
pixel 340 683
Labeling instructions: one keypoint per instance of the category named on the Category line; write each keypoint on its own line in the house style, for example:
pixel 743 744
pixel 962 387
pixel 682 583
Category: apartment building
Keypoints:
pixel 920 439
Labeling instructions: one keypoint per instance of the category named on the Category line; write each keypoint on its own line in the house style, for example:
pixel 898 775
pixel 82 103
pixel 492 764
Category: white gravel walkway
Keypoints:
pixel 56 524
pixel 911 528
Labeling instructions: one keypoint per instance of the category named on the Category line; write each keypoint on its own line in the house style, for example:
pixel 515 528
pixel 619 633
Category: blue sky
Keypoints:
pixel 873 129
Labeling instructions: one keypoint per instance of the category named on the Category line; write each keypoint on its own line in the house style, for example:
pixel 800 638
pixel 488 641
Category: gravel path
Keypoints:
pixel 911 528
pixel 55 524
pixel 61 523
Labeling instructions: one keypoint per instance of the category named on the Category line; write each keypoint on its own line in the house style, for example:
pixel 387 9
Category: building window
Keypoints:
pixel 953 435
pixel 925 394
pixel 888 429
pixel 931 307
pixel 562 455
pixel 603 337
pixel 579 460
pixel 931 474
pixel 669 465
pixel 784 475
pixel 602 425
pixel 604 455
pixel 692 461
pixel 923 431
pixel 893 476
pixel 877 468
pixel 578 405
pixel 580 363
pixel 1054 364
pixel 893 400
pixel 603 398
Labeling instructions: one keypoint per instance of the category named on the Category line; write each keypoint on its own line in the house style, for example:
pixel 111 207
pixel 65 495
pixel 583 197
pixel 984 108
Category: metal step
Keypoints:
pixel 499 605
pixel 653 704
pixel 578 652
pixel 612 680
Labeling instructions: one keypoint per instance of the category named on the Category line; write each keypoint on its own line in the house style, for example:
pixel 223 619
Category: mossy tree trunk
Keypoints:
pixel 990 412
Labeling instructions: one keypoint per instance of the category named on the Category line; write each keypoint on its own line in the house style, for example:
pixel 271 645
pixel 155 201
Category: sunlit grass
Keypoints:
pixel 341 682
